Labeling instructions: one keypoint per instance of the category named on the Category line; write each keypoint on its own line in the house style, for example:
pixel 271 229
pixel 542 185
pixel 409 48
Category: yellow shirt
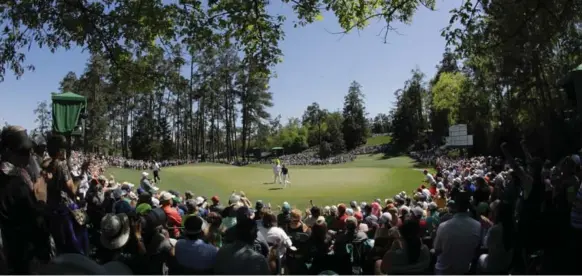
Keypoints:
pixel 441 202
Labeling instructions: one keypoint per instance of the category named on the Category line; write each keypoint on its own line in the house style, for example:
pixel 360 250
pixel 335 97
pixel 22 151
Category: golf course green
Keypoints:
pixel 367 178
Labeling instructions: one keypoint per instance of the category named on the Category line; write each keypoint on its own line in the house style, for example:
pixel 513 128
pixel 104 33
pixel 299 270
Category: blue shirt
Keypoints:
pixel 202 212
pixel 195 255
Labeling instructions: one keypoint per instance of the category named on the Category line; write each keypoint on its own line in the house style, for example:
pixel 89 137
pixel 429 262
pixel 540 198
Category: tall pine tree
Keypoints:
pixel 354 127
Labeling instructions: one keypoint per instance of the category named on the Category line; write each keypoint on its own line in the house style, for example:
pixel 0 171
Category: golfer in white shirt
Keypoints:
pixel 277 173
pixel 156 168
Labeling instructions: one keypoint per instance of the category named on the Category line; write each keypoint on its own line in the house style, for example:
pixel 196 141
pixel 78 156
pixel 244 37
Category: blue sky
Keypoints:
pixel 317 67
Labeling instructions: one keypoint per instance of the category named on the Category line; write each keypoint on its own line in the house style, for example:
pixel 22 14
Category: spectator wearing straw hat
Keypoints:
pixel 115 232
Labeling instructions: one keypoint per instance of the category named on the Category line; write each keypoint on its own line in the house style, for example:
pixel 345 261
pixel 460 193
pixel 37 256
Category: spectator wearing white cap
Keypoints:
pixel 201 204
pixel 145 183
pixel 155 202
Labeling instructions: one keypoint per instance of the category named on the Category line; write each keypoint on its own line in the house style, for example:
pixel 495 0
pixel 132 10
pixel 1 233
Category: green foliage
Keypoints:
pixel 314 118
pixel 515 52
pixel 123 31
pixel 324 150
pixel 137 52
pixel 143 144
pixel 354 14
pixel 439 119
pixel 334 132
pixel 292 137
pixel 380 124
pixel 354 127
pixel 167 150
pixel 447 92
pixel 408 121
pixel 43 119
pixel 115 29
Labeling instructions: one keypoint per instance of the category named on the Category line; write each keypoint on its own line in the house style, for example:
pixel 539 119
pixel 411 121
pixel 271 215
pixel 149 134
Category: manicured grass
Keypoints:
pixel 378 140
pixel 367 178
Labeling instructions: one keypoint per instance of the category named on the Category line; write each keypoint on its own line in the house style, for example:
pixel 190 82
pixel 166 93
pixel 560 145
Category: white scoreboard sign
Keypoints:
pixel 458 136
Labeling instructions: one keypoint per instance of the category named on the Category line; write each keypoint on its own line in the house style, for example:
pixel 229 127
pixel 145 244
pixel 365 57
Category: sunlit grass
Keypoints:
pixel 367 178
pixel 378 140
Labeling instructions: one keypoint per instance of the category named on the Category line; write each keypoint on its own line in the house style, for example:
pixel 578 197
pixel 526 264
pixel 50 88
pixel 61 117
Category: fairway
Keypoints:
pixel 367 178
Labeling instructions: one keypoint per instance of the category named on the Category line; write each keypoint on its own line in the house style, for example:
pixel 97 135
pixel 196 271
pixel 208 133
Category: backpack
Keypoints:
pixel 358 252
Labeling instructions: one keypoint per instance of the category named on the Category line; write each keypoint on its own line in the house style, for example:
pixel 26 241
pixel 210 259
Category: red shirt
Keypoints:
pixel 359 216
pixel 340 223
pixel 422 224
pixel 174 220
pixel 433 190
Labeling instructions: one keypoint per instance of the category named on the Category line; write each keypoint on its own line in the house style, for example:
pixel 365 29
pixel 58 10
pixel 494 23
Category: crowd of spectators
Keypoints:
pixel 99 163
pixel 467 216
pixel 311 156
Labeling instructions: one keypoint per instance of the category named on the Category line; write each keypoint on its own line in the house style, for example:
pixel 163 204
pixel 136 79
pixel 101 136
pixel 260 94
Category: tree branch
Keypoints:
pixel 100 36
pixel 386 14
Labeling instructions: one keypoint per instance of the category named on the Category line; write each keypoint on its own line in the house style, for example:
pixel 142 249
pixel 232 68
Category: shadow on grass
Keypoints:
pixel 420 165
pixel 274 189
pixel 268 183
pixel 391 153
